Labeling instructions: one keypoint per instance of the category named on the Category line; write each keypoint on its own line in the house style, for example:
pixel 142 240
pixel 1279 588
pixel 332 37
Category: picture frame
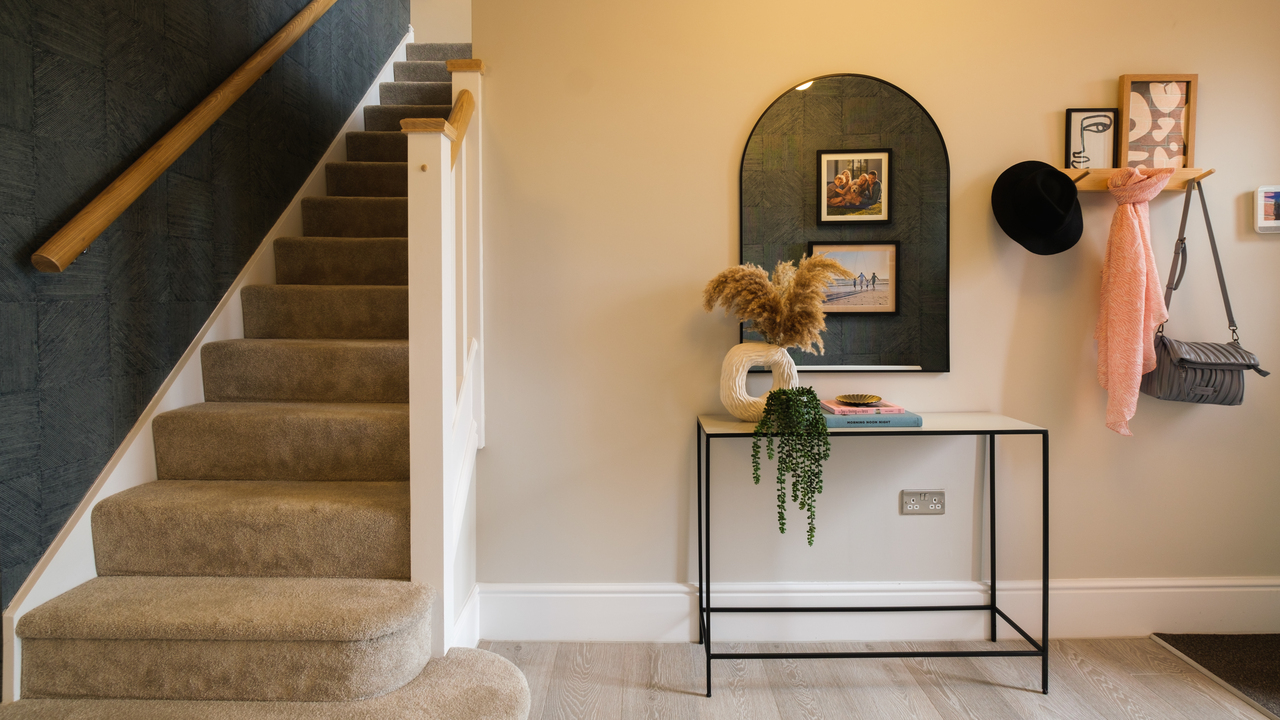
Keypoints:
pixel 875 289
pixel 1266 209
pixel 855 186
pixel 1158 120
pixel 1092 138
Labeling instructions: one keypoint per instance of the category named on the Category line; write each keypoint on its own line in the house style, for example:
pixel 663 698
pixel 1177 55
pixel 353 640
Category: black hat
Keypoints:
pixel 1037 205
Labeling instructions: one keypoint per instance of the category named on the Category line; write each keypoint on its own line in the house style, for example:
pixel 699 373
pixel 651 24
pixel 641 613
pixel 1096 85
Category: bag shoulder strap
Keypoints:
pixel 1180 256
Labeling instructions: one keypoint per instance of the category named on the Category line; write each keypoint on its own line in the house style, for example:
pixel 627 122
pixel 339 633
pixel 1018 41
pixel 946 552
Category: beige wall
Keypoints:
pixel 440 21
pixel 614 133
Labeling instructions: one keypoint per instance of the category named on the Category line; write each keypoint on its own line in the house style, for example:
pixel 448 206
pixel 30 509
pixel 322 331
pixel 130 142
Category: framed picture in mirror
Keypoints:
pixel 874 285
pixel 853 186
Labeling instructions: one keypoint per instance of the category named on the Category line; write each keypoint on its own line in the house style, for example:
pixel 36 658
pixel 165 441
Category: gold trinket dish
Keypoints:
pixel 859 399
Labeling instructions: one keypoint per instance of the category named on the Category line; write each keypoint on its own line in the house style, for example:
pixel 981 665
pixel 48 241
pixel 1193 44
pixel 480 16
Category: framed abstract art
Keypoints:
pixel 1158 117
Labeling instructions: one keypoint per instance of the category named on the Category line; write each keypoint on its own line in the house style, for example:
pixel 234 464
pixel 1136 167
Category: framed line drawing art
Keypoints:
pixel 854 186
pixel 1091 137
pixel 874 289
pixel 1158 117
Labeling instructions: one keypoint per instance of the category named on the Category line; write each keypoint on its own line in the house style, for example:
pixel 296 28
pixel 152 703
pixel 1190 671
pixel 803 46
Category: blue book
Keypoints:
pixel 906 419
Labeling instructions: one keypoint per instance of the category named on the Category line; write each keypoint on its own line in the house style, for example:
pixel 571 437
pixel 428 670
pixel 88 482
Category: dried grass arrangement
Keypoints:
pixel 786 310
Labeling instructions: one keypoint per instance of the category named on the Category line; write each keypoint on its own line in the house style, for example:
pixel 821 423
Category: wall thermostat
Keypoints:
pixel 1266 209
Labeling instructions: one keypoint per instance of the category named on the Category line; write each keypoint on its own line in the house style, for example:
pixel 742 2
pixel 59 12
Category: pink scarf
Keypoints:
pixel 1132 305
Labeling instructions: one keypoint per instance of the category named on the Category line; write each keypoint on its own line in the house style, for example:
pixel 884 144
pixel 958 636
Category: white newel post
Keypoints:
pixel 433 371
pixel 470 164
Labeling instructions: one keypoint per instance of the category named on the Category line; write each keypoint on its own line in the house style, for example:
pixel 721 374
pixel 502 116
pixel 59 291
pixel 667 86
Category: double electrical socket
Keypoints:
pixel 922 502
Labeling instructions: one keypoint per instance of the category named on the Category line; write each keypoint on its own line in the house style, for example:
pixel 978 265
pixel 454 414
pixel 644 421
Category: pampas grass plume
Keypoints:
pixel 786 310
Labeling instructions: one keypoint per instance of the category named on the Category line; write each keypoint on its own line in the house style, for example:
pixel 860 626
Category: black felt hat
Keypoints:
pixel 1037 205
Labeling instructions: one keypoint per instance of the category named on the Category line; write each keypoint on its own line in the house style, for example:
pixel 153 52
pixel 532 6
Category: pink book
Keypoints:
pixel 835 407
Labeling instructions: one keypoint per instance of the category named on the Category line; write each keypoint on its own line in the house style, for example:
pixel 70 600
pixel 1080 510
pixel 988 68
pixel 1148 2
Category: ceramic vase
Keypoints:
pixel 733 377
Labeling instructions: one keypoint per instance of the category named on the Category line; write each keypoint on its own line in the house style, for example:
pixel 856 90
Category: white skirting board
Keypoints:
pixel 69 560
pixel 667 612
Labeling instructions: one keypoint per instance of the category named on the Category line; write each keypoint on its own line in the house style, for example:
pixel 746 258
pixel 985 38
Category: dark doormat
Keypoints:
pixel 1248 665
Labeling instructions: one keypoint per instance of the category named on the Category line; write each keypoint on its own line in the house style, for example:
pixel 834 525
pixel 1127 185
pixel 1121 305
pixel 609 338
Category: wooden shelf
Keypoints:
pixel 1095 179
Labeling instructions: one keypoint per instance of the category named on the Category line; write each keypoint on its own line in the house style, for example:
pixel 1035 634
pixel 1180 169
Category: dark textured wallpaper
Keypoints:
pixel 86 86
pixel 780 194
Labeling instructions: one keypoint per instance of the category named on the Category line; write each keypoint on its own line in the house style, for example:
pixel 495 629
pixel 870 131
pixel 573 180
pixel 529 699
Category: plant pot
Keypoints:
pixel 733 377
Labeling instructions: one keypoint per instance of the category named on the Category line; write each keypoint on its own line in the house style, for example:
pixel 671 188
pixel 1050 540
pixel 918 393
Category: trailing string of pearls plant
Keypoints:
pixel 794 417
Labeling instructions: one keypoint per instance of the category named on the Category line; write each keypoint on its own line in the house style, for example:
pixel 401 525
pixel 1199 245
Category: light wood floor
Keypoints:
pixel 1127 678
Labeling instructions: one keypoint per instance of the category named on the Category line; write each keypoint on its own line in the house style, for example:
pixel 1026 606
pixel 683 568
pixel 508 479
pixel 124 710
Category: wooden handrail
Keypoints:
pixel 459 118
pixel 63 248
pixel 455 128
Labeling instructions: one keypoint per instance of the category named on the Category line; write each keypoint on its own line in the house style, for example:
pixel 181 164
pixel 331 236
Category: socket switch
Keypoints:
pixel 922 502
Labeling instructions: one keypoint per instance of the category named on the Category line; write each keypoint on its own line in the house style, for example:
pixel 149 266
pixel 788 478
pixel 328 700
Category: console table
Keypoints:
pixel 715 427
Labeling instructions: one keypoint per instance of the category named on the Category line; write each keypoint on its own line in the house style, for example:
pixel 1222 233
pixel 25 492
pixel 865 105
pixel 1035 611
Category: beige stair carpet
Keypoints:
pixel 264 575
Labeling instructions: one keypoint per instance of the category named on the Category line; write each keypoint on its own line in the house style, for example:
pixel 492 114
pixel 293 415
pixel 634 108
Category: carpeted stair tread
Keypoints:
pixel 377 146
pixel 255 529
pixel 283 441
pixel 341 261
pixel 352 312
pixel 355 216
pixel 264 370
pixel 230 608
pixel 207 638
pixel 416 93
pixel 388 117
pixel 421 71
pixel 367 179
pixel 465 684
pixel 438 51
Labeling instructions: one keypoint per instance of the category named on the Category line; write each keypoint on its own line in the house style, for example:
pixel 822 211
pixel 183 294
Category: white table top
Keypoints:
pixel 959 422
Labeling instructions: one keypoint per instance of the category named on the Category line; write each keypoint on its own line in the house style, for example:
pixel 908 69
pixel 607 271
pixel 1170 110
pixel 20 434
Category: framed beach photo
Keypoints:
pixel 1158 117
pixel 854 186
pixel 874 287
pixel 1091 137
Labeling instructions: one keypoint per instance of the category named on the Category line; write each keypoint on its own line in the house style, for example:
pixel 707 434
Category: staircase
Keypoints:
pixel 265 574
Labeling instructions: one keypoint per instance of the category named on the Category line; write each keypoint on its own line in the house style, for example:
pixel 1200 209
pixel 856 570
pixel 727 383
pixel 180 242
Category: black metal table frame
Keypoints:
pixel 705 608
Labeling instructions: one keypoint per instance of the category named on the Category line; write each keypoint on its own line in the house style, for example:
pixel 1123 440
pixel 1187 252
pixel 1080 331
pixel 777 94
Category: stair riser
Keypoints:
pixel 416 93
pixel 372 312
pixel 422 71
pixel 255 529
pixel 223 669
pixel 354 179
pixel 386 118
pixel 305 371
pixel 355 217
pixel 438 51
pixel 377 146
pixel 342 261
pixel 371 445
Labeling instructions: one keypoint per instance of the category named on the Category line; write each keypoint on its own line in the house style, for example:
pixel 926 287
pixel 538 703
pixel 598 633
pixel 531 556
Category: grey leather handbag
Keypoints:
pixel 1198 372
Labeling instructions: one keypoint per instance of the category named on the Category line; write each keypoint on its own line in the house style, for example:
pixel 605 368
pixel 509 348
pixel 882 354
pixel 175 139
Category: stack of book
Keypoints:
pixel 879 414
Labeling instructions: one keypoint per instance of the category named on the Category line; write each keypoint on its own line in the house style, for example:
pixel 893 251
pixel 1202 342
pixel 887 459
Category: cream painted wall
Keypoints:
pixel 440 21
pixel 614 133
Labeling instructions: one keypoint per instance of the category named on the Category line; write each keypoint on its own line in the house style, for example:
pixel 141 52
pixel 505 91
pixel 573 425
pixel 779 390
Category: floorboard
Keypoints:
pixel 1112 679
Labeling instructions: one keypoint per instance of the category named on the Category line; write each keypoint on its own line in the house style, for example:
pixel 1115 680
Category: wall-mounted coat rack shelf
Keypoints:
pixel 1095 179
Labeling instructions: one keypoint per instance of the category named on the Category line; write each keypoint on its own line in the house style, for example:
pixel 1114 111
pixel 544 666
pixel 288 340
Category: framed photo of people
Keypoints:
pixel 874 287
pixel 854 186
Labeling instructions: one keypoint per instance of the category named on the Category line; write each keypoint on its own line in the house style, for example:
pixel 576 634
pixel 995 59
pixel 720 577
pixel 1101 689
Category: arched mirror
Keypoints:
pixel 853 167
